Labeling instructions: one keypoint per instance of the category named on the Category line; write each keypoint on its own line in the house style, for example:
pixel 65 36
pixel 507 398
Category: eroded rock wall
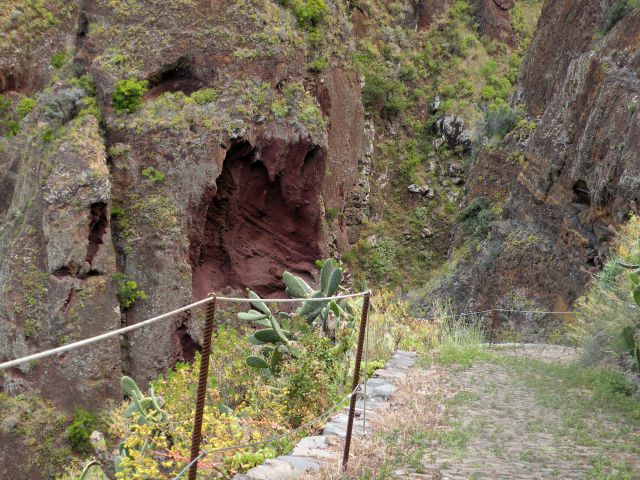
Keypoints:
pixel 184 196
pixel 580 172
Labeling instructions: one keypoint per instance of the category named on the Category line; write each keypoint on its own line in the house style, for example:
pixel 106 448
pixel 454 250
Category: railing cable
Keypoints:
pixel 120 331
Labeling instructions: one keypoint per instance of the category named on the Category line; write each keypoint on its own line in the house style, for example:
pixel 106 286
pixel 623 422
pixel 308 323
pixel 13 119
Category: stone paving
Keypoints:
pixel 311 453
pixel 514 433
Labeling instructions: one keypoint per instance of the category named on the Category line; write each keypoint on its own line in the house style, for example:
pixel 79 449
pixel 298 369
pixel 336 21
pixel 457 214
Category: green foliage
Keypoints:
pixel 144 410
pixel 608 324
pixel 631 333
pixel 279 108
pixel 314 375
pixel 244 460
pixel 382 258
pixel 476 218
pixel 382 91
pixel 40 427
pixel 155 176
pixel 13 128
pixel 24 106
pixel 58 59
pixel 319 64
pixel 204 96
pixel 309 13
pixel 86 83
pixel 278 343
pixel 90 106
pixel 461 343
pixel 117 211
pixel 618 12
pixel 79 431
pixel 128 95
pixel 48 135
pixel 128 292
pixel 499 120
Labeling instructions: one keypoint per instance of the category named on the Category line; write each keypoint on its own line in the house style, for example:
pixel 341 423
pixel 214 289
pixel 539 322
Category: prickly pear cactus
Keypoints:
pixel 280 342
pixel 143 410
pixel 631 334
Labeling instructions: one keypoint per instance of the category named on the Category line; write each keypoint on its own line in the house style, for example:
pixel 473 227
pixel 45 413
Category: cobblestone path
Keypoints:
pixel 527 417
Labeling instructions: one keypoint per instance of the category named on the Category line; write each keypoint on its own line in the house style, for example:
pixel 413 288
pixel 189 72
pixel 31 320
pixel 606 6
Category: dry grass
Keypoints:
pixel 419 397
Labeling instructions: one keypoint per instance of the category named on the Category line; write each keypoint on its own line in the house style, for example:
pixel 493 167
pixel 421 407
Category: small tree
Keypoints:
pixel 128 95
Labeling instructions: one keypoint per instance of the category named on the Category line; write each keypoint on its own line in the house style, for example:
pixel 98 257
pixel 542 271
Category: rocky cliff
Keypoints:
pixel 220 180
pixel 570 182
pixel 266 136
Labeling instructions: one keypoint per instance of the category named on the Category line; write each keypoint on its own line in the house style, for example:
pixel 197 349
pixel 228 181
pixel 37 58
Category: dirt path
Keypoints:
pixel 522 413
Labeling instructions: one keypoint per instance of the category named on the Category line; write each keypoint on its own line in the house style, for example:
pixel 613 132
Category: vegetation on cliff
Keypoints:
pixel 412 78
pixel 607 325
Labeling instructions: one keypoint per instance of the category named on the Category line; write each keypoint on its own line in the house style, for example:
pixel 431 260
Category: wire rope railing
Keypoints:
pixel 211 301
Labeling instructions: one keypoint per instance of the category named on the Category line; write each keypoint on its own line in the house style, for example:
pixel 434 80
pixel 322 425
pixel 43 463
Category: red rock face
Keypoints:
pixel 581 174
pixel 495 20
pixel 264 218
pixel 428 11
pixel 565 30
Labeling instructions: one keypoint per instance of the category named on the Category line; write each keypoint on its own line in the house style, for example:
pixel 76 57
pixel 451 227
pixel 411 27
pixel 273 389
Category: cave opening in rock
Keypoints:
pixel 581 193
pixel 264 218
pixel 9 83
pixel 187 346
pixel 98 222
pixel 176 77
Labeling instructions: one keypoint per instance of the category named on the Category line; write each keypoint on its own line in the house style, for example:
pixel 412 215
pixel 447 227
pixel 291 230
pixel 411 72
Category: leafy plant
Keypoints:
pixel 476 218
pixel 278 342
pixel 631 334
pixel 144 410
pixel 128 292
pixel 308 12
pixel 618 12
pixel 58 59
pixel 128 94
pixel 24 106
pixel 204 96
pixel 155 176
pixel 82 424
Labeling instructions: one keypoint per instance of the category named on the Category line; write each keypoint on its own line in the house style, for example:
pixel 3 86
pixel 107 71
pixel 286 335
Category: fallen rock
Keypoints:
pixel 426 233
pixel 452 130
pixel 425 191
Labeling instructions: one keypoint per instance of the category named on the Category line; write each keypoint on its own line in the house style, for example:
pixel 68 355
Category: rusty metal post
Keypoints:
pixel 356 379
pixel 196 435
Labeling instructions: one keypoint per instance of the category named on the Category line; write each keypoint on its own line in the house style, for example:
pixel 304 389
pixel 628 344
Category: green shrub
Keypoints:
pixel 608 307
pixel 382 259
pixel 155 176
pixel 206 95
pixel 128 95
pixel 90 106
pixel 319 64
pixel 500 119
pixel 128 292
pixel 58 59
pixel 381 92
pixel 476 218
pixel 310 380
pixel 25 105
pixel 279 108
pixel 78 433
pixel 308 12
pixel 13 128
pixel 86 83
pixel 48 135
pixel 618 12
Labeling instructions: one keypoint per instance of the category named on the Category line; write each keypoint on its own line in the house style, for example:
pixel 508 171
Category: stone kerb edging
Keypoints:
pixel 311 453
